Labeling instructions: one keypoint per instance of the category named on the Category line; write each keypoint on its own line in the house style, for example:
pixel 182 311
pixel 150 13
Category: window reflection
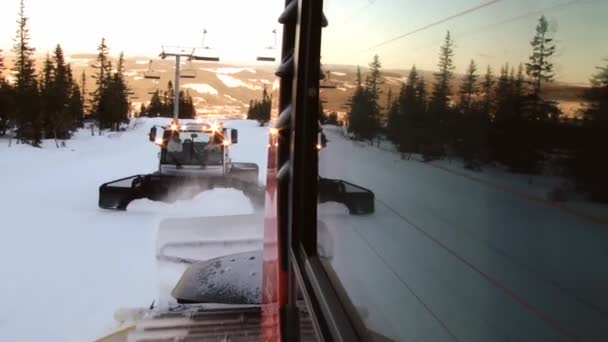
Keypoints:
pixel 479 129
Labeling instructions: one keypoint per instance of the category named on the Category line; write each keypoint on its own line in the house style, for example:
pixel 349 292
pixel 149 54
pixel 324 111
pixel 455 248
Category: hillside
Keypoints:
pixel 225 90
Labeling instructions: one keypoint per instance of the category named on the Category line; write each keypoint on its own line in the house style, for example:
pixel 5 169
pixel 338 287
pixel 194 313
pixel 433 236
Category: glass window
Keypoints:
pixel 478 130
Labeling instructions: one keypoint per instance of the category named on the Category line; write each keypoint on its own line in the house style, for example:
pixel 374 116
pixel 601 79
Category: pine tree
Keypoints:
pixel 47 99
pixel 27 118
pixel 539 69
pixel 362 114
pixel 155 108
pixel 410 112
pixel 588 166
pixel 61 122
pixel 5 99
pixel 83 88
pixel 76 106
pixel 473 120
pixel 487 87
pixel 167 100
pixel 373 81
pixel 389 103
pixel 260 110
pixel 469 87
pixel 119 111
pixel 441 121
pixel 503 95
pixel 372 87
pixel 100 105
pixel 2 67
pixel 186 106
pixel 441 90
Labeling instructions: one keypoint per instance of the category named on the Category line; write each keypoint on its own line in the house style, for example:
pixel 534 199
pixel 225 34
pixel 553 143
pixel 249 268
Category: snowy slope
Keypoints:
pixel 461 260
pixel 68 265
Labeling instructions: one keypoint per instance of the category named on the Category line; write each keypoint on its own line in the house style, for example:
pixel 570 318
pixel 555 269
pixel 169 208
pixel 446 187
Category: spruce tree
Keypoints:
pixel 540 69
pixel 410 114
pixel 487 88
pixel 5 99
pixel 588 166
pixel 155 108
pixel 2 66
pixel 27 118
pixel 119 111
pixel 469 86
pixel 372 87
pixel 100 105
pixel 441 90
pixel 83 89
pixel 441 121
pixel 47 96
pixel 363 108
pixel 472 121
pixel 76 106
pixel 61 123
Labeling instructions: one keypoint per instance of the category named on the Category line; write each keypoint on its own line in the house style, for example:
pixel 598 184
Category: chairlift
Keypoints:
pixel 204 52
pixel 150 74
pixel 326 83
pixel 269 53
pixel 188 72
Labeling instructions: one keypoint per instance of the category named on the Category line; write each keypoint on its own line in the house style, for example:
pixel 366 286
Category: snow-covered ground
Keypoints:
pixel 232 82
pixel 68 265
pixel 449 257
pixel 446 255
pixel 203 88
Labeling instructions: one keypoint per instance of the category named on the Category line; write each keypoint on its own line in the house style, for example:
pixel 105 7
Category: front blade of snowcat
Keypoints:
pixel 247 172
pixel 119 193
pixel 357 199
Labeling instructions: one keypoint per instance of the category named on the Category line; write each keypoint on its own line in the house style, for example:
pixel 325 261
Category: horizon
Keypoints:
pixel 501 31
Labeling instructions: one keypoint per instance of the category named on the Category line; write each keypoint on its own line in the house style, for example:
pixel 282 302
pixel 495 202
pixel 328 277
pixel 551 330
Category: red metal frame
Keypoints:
pixel 274 288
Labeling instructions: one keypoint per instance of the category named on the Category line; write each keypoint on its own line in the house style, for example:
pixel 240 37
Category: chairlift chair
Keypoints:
pixel 150 74
pixel 188 72
pixel 269 53
pixel 204 53
pixel 326 83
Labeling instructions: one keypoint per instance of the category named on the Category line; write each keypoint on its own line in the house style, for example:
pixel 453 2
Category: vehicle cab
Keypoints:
pixel 194 148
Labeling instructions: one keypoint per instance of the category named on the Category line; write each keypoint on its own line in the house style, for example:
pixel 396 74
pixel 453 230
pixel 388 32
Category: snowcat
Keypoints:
pixel 249 288
pixel 193 157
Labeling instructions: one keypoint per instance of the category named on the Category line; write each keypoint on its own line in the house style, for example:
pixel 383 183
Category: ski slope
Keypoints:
pixel 447 257
pixel 67 265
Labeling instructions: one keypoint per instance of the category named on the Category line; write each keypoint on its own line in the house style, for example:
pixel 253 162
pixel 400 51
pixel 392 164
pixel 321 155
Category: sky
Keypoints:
pixel 239 30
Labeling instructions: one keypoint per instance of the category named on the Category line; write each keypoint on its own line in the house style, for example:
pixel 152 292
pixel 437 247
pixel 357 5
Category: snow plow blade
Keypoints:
pixel 116 195
pixel 247 172
pixel 357 199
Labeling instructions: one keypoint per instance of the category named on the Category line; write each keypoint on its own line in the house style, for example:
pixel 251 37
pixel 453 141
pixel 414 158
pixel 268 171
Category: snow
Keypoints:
pixel 462 260
pixel 201 88
pixel 229 70
pixel 67 265
pixel 82 62
pixel 232 82
pixel 142 62
pixel 396 80
pixel 338 73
